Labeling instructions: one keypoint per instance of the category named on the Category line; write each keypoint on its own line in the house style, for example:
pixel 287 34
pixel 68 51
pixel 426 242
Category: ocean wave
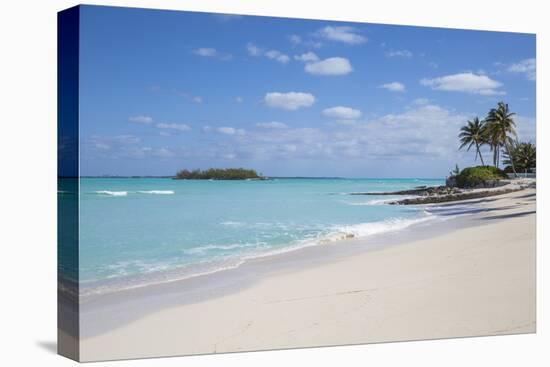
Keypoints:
pixel 341 233
pixel 91 289
pixel 126 193
pixel 384 201
pixel 232 223
pixel 158 192
pixel 207 248
pixel 151 273
pixel 112 193
pixel 373 228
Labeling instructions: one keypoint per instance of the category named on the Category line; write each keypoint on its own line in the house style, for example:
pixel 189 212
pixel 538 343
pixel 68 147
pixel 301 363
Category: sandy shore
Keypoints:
pixel 478 279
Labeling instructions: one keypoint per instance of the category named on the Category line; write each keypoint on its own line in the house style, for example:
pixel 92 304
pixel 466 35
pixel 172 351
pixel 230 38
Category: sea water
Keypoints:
pixel 138 230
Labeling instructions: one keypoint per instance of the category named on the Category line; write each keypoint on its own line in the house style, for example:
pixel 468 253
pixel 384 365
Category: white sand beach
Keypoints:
pixel 475 280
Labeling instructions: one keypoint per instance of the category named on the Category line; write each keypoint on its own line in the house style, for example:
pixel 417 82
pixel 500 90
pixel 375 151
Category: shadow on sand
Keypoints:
pixel 513 215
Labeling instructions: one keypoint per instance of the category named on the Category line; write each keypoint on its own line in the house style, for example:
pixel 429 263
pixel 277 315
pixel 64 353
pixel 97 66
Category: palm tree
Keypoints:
pixel 473 134
pixel 500 127
pixel 524 156
pixel 527 156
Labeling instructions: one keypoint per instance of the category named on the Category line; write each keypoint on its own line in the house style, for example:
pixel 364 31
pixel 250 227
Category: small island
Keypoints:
pixel 219 174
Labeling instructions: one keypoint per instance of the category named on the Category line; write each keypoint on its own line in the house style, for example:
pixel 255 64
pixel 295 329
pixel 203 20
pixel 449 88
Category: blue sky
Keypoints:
pixel 161 91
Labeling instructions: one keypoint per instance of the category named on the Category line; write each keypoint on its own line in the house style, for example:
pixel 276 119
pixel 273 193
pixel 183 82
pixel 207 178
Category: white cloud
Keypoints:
pixel 465 82
pixel 307 57
pixel 344 34
pixel 393 86
pixel 227 130
pixel 211 52
pixel 342 113
pixel 526 128
pixel 206 52
pixel 162 153
pixel 420 101
pixel 400 53
pixel 141 119
pixel 121 146
pixel 295 39
pixel 178 127
pixel 253 50
pixel 528 67
pixel 424 133
pixel 272 125
pixel 278 56
pixel 428 130
pixel 189 96
pixel 289 101
pixel 330 66
pixel 239 99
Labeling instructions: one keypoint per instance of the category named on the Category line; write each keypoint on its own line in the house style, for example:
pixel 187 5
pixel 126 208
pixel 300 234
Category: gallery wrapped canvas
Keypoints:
pixel 240 183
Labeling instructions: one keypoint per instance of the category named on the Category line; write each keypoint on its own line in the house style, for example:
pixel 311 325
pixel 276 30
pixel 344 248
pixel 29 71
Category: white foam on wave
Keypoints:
pixel 112 193
pixel 384 201
pixel 206 248
pixel 87 291
pixel 233 223
pixel 373 228
pixel 346 232
pixel 337 234
pixel 158 192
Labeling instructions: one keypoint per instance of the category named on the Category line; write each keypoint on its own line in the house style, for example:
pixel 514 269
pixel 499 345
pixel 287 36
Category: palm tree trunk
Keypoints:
pixel 480 156
pixel 511 159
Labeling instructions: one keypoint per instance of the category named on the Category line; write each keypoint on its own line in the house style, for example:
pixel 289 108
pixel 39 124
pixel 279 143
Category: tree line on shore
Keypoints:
pixel 218 174
pixel 498 131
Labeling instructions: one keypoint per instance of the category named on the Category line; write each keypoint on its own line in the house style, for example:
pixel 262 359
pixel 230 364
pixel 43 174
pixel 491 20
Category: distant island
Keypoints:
pixel 219 174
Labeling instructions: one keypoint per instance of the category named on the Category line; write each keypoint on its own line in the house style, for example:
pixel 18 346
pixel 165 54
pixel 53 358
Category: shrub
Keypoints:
pixel 474 176
pixel 218 174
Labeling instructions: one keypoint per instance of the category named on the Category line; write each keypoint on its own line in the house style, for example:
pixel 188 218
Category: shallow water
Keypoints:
pixel 133 230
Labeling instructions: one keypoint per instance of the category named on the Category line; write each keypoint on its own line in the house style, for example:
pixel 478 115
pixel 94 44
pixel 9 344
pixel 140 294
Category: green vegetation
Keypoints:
pixel 498 131
pixel 455 171
pixel 524 155
pixel 474 176
pixel 218 174
pixel 500 126
pixel 473 134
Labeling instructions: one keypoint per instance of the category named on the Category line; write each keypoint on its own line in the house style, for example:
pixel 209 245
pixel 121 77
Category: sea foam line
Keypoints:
pixel 125 193
pixel 336 234
pixel 384 201
pixel 112 193
pixel 158 192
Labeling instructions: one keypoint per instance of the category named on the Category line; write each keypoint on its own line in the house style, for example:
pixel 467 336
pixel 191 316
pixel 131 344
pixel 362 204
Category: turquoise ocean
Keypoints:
pixel 136 231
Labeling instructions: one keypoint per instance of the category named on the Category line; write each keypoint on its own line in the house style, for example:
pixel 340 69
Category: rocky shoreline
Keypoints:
pixel 443 194
pixel 420 191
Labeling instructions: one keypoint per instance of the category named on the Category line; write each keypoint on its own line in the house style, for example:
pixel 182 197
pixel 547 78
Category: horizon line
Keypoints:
pixel 286 177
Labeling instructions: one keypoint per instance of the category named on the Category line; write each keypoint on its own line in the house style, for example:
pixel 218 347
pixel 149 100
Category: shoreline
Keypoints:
pixel 180 299
pixel 444 194
pixel 90 289
pixel 100 288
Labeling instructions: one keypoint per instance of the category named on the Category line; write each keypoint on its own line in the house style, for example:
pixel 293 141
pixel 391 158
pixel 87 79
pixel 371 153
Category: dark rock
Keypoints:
pixel 419 191
pixel 453 196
